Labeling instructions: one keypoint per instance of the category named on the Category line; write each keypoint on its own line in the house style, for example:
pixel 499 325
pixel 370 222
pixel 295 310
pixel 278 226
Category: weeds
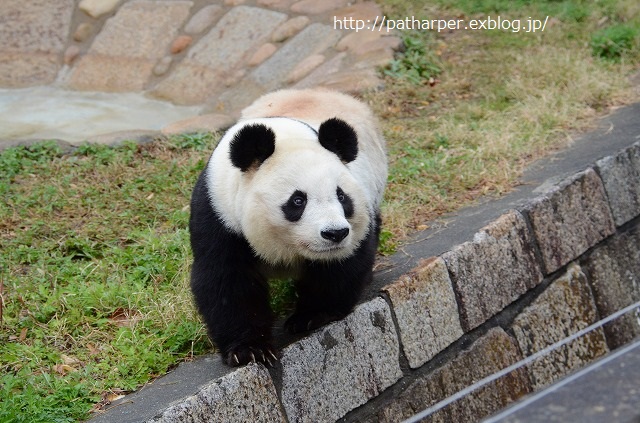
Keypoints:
pixel 614 42
pixel 418 63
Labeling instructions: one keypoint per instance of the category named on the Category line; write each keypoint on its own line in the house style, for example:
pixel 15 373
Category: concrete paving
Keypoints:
pixel 215 56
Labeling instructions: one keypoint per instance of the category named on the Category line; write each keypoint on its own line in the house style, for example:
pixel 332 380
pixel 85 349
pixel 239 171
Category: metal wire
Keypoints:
pixel 491 378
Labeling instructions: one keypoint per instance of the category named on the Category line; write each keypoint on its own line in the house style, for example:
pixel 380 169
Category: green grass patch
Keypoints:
pixel 94 273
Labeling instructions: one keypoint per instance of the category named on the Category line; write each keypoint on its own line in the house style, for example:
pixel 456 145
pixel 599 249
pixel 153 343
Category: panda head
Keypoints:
pixel 296 197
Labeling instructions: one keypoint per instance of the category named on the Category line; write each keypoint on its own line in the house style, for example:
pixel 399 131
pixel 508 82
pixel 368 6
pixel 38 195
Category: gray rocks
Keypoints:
pixel 341 366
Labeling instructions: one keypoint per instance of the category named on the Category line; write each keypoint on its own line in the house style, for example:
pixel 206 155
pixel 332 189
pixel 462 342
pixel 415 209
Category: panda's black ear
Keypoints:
pixel 252 145
pixel 340 138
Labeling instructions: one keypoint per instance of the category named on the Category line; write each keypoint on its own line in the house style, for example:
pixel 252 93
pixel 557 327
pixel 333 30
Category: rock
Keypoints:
pixel 203 19
pixel 33 36
pixel 328 68
pixel 426 311
pixel 486 356
pixel 212 122
pixel 97 8
pixel 289 29
pixel 234 2
pixel 365 11
pixel 383 43
pixel 180 43
pixel 318 387
pixel 275 4
pixel 621 177
pixel 314 39
pixel 572 217
pixel 244 395
pixel 564 308
pixel 314 7
pixel 162 66
pixel 614 273
pixel 354 39
pixel 83 32
pixel 303 68
pixel 70 54
pixel 494 269
pixel 217 55
pixel 263 53
pixel 124 53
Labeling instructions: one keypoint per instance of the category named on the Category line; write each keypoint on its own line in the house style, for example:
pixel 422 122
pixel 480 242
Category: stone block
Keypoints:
pixel 245 395
pixel 124 53
pixel 218 54
pixel 33 36
pixel 367 10
pixel 314 39
pixel 341 366
pixel 570 218
pixel 564 308
pixel 289 28
pixel 494 269
pixel 614 273
pixel 488 355
pixel 97 8
pixel 203 19
pixel 313 7
pixel 304 68
pixel 621 177
pixel 426 311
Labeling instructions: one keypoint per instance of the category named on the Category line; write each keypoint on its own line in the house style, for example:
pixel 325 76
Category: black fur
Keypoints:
pixel 340 138
pixel 328 291
pixel 229 292
pixel 252 145
pixel 295 205
pixel 233 297
pixel 347 203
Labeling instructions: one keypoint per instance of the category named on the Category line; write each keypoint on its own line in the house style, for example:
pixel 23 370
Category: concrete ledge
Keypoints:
pixel 341 366
pixel 426 310
pixel 494 269
pixel 506 279
pixel 571 218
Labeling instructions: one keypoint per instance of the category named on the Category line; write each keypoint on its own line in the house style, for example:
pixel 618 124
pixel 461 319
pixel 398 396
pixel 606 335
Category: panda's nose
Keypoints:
pixel 335 235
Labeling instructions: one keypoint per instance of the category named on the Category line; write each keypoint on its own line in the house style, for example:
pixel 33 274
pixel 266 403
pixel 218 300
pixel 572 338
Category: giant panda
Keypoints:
pixel 293 189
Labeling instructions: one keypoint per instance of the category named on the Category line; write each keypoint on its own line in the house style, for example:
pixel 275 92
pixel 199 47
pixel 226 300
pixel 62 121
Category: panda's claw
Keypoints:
pixel 245 354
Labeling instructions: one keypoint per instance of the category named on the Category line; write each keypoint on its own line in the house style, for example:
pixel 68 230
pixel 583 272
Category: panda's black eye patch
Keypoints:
pixel 295 205
pixel 346 201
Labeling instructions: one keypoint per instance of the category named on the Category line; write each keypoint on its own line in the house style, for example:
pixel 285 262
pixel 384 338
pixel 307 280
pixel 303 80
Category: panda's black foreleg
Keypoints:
pixel 229 292
pixel 235 309
pixel 328 291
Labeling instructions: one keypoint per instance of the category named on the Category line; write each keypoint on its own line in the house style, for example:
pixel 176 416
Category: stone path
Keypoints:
pixel 218 55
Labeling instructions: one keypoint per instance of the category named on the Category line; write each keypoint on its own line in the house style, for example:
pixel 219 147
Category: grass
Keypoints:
pixel 95 259
pixel 500 100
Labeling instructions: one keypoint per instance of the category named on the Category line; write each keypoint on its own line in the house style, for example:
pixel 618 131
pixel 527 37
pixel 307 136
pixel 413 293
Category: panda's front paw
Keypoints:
pixel 245 354
pixel 302 322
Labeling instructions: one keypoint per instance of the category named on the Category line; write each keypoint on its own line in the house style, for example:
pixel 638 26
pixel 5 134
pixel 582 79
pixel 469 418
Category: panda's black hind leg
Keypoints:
pixel 328 291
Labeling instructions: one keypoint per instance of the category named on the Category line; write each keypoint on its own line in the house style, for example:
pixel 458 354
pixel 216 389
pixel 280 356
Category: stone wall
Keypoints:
pixel 530 278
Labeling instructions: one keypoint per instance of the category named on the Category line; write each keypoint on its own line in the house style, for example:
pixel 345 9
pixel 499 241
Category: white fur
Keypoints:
pixel 250 202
